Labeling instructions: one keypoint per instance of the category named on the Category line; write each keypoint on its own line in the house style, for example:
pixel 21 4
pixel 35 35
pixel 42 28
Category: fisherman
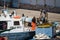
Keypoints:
pixel 33 24
pixel 13 13
pixel 38 21
pixel 5 11
pixel 44 16
pixel 23 15
pixel 23 19
pixel 41 10
pixel 45 12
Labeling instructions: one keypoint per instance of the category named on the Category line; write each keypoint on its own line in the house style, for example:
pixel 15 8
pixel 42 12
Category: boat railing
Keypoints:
pixel 14 27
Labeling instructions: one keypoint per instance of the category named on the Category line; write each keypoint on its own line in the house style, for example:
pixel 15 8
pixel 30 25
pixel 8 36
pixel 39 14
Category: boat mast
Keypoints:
pixel 4 4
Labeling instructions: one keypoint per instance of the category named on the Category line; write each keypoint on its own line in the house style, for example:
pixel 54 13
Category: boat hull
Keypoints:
pixel 19 36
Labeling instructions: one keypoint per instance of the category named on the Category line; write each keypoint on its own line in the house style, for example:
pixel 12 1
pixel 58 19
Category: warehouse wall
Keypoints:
pixel 25 1
pixel 50 2
pixel 34 2
pixel 40 2
pixel 14 3
pixel 57 3
pixel 6 0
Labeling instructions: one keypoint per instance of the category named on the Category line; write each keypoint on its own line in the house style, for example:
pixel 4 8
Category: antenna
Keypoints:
pixel 4 4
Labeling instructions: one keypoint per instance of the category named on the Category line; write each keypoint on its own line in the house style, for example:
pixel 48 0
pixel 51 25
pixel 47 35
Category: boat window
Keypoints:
pixel 16 23
pixel 3 25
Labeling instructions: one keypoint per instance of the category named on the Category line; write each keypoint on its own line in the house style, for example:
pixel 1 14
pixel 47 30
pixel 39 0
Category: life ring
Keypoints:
pixel 16 17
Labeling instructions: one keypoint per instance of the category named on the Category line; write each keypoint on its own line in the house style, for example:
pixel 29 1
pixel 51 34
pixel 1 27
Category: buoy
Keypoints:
pixel 16 17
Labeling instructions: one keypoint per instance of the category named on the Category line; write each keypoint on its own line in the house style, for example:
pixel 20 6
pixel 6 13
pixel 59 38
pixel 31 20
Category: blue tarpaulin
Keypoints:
pixel 47 31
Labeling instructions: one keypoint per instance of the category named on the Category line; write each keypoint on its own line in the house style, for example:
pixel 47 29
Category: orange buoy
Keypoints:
pixel 16 17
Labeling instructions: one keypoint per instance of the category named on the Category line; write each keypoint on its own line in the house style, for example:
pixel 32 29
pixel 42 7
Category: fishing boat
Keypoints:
pixel 13 28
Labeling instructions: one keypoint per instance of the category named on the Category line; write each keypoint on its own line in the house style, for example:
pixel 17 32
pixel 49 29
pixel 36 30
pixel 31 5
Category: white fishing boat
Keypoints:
pixel 13 28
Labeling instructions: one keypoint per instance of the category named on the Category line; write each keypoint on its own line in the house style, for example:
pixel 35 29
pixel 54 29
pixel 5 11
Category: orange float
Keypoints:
pixel 17 17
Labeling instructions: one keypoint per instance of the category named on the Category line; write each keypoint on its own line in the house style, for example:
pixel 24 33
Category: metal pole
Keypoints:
pixel 54 3
pixel 4 2
pixel 36 3
pixel 18 3
pixel 44 2
pixel 44 6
